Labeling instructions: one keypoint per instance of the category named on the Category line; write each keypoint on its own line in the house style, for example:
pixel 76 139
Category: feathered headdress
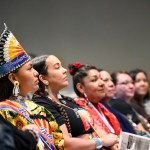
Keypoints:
pixel 12 54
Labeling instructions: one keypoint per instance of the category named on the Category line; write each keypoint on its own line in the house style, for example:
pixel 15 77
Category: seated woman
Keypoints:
pixel 17 79
pixel 90 90
pixel 109 93
pixel 74 121
pixel 141 99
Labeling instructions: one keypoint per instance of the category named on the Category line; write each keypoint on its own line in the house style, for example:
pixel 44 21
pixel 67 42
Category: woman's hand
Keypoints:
pixel 34 130
pixel 115 147
pixel 31 126
pixel 110 140
pixel 140 128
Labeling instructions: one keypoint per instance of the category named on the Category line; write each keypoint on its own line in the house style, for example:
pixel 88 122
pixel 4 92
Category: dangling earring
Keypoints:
pixel 16 89
pixel 85 96
pixel 88 103
pixel 46 88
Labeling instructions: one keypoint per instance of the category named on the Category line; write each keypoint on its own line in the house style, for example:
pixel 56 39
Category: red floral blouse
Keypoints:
pixel 112 120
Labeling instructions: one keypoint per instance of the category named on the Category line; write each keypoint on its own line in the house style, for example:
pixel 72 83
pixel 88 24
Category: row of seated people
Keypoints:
pixel 61 122
pixel 132 96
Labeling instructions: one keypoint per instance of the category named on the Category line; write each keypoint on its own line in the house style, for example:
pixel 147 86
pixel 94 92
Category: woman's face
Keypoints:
pixel 57 74
pixel 93 86
pixel 141 84
pixel 27 78
pixel 109 85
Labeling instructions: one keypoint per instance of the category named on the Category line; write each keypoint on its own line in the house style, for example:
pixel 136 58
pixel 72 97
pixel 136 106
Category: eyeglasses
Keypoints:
pixel 125 83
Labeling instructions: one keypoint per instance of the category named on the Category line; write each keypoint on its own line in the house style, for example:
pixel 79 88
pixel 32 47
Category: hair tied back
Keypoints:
pixel 74 67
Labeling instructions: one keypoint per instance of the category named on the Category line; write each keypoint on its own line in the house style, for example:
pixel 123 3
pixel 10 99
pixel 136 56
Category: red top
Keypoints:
pixel 95 111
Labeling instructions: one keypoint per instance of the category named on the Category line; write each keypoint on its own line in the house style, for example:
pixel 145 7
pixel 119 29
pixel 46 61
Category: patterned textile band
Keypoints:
pixel 42 124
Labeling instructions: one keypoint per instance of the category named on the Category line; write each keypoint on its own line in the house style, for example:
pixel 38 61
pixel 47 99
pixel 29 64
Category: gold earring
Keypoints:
pixel 16 89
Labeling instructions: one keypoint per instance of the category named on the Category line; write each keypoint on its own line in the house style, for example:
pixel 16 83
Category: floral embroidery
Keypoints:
pixel 20 122
pixel 86 118
pixel 9 109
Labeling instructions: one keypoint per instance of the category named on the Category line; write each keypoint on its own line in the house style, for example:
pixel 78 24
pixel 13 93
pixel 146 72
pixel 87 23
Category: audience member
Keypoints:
pixel 17 79
pixel 109 93
pixel 142 95
pixel 89 89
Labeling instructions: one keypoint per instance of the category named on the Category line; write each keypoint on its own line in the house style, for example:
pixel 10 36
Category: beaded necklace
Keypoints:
pixel 20 99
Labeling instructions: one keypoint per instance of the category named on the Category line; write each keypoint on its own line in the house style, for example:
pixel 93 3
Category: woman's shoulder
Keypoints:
pixel 41 100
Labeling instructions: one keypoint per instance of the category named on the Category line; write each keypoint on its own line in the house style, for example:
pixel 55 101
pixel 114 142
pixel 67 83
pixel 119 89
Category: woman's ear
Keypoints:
pixel 43 79
pixel 12 77
pixel 80 88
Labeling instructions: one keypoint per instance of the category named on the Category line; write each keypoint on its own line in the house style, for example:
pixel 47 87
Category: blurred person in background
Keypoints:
pixel 122 100
pixel 141 99
pixel 109 94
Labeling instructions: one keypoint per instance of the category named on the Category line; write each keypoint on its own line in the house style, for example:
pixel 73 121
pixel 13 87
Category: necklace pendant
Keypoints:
pixel 63 102
pixel 89 104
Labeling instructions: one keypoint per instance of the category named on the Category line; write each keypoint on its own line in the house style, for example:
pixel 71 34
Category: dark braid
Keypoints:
pixel 63 112
pixel 61 109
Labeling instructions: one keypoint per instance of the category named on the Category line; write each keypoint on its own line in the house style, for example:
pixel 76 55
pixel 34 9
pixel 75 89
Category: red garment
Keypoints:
pixel 97 119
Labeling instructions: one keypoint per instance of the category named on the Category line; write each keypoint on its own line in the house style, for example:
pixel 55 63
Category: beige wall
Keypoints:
pixel 112 34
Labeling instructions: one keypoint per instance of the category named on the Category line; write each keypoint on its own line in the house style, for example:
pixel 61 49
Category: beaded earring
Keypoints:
pixel 16 89
pixel 46 87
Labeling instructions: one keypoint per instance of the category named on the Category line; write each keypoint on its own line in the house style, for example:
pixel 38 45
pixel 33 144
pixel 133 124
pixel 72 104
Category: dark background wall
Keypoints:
pixel 112 34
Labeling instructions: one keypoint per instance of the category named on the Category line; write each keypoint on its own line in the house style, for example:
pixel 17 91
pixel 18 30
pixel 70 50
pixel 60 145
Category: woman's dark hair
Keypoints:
pixel 79 72
pixel 39 64
pixel 6 87
pixel 133 74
